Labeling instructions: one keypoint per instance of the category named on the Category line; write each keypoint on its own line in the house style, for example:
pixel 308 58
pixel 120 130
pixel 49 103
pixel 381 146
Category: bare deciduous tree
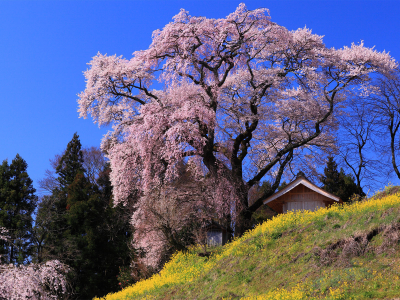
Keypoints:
pixel 358 144
pixel 93 162
pixel 386 104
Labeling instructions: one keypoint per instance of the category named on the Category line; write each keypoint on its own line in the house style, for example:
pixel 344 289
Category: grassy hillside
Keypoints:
pixel 349 252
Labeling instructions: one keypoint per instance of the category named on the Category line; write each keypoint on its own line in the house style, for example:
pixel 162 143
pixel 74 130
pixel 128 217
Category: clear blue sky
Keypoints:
pixel 45 46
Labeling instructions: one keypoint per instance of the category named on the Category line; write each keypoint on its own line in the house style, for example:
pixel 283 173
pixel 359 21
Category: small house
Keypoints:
pixel 301 194
pixel 217 235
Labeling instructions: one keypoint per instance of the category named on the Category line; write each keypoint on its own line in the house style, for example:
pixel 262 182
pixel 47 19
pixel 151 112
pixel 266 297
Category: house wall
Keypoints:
pixel 302 205
pixel 214 238
pixel 300 198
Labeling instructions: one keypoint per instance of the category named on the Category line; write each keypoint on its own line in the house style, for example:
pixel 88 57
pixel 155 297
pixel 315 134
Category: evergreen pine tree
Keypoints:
pixel 71 163
pixel 301 174
pixel 282 185
pixel 350 188
pixel 101 234
pixel 88 233
pixel 17 204
pixel 339 183
pixel 58 242
pixel 331 179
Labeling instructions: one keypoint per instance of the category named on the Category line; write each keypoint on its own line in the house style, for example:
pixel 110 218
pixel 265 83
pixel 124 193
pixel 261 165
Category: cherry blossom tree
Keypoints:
pixel 32 281
pixel 170 218
pixel 241 96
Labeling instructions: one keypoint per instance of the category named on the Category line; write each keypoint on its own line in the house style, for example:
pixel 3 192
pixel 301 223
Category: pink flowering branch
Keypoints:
pixel 33 281
pixel 243 96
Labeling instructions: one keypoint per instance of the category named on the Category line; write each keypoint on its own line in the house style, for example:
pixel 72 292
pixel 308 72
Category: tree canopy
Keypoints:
pixel 17 203
pixel 339 183
pixel 78 225
pixel 242 99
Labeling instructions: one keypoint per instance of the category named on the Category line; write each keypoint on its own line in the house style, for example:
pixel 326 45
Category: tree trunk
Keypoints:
pixel 243 222
pixel 243 214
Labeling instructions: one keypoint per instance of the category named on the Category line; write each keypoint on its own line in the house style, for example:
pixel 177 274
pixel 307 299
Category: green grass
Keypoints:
pixel 338 253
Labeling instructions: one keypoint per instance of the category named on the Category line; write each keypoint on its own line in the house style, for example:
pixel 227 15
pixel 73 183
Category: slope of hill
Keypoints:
pixel 349 252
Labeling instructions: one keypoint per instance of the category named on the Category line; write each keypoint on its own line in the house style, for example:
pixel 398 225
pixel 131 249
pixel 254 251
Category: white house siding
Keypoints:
pixel 302 205
pixel 214 238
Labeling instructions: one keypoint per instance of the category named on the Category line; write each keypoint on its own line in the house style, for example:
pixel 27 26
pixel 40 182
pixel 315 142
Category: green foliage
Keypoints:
pixel 263 214
pixel 78 225
pixel 276 235
pixel 100 252
pixel 282 185
pixel 332 214
pixel 17 203
pixel 320 224
pixel 124 277
pixel 102 232
pixel 338 183
pixel 265 186
pixel 71 163
pixel 58 243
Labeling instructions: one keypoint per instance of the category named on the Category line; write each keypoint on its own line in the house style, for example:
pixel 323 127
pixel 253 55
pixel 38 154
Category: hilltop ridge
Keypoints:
pixel 343 252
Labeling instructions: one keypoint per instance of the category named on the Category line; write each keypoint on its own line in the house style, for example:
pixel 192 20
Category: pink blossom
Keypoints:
pixel 243 97
pixel 32 281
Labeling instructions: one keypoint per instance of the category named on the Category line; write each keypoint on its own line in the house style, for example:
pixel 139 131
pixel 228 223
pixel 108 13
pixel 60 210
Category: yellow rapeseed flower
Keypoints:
pixel 186 267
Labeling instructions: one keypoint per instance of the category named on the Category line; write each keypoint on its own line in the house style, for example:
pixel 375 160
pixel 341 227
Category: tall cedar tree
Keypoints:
pixel 100 235
pixel 339 183
pixel 70 165
pixel 17 203
pixel 87 233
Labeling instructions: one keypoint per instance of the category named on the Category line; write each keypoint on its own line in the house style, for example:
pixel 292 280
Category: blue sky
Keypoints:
pixel 45 46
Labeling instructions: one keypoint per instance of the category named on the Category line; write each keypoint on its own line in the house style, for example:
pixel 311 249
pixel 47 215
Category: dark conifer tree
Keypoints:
pixel 58 242
pixel 71 163
pixel 350 188
pixel 44 230
pixel 339 183
pixel 101 234
pixel 17 204
pixel 301 174
pixel 331 179
pixel 282 185
pixel 89 234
